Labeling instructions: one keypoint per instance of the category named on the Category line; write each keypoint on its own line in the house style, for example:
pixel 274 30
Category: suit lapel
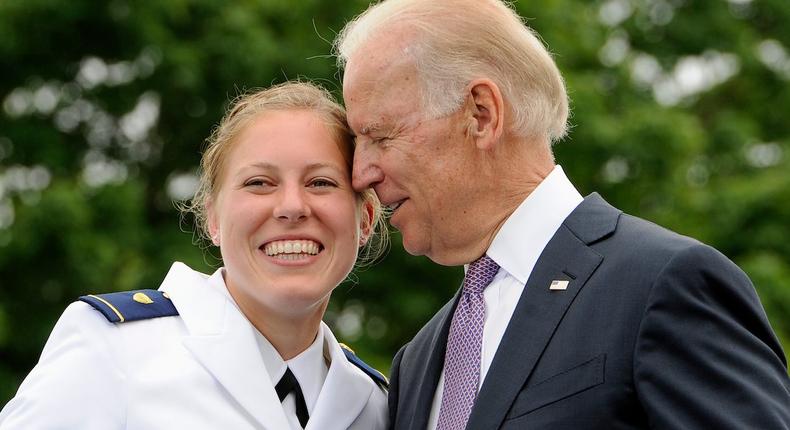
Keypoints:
pixel 426 380
pixel 223 341
pixel 540 310
pixel 345 392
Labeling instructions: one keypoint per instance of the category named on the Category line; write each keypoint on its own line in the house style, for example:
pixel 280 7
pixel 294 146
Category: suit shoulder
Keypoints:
pixel 646 239
pixel 126 306
pixel 707 262
pixel 374 374
pixel 634 226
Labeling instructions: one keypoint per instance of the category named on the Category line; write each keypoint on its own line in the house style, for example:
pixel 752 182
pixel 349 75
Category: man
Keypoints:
pixel 572 315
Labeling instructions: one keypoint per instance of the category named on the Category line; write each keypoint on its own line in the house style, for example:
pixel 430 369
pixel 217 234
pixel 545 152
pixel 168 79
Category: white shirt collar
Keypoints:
pixel 309 367
pixel 527 231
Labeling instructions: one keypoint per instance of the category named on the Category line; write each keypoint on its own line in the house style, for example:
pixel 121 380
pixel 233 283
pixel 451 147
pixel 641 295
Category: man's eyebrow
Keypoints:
pixel 369 128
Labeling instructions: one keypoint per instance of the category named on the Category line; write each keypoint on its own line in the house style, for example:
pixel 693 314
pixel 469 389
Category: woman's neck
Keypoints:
pixel 290 337
pixel 289 332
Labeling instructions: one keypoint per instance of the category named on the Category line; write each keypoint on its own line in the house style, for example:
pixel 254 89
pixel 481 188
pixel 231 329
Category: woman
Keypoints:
pixel 244 348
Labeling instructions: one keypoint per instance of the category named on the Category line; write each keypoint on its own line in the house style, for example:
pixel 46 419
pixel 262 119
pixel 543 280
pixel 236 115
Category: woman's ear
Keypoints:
pixel 487 117
pixel 212 224
pixel 366 222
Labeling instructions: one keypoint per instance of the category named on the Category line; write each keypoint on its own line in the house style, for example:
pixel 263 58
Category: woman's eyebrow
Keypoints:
pixel 332 166
pixel 263 165
pixel 260 165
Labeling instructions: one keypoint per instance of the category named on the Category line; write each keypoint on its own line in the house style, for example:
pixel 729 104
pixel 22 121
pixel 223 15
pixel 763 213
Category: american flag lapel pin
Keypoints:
pixel 558 285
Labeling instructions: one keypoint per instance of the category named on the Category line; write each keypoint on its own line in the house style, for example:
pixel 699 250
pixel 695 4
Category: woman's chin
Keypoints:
pixel 298 304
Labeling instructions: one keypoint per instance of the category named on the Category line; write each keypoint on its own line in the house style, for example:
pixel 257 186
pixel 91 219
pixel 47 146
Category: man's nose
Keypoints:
pixel 366 172
pixel 292 205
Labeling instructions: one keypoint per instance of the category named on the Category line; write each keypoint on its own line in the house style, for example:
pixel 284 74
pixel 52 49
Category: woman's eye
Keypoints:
pixel 256 182
pixel 321 183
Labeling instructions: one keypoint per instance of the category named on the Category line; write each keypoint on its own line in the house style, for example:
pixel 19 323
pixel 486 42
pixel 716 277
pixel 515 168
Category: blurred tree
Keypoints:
pixel 679 117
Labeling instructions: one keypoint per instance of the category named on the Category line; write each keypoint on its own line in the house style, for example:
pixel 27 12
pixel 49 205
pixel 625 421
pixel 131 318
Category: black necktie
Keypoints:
pixel 288 384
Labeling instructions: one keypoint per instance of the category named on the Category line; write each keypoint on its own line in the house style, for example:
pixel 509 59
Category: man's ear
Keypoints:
pixel 211 223
pixel 487 119
pixel 366 222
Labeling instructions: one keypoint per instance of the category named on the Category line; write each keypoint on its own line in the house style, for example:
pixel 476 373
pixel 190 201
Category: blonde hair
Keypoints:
pixel 457 41
pixel 243 111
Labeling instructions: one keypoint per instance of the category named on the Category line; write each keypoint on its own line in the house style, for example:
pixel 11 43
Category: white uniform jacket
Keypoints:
pixel 199 370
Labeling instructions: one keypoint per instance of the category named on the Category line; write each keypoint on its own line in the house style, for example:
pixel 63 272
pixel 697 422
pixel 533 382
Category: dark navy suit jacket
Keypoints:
pixel 655 330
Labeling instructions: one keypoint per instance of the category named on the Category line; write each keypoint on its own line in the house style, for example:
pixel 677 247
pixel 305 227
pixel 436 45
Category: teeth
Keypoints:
pixel 291 249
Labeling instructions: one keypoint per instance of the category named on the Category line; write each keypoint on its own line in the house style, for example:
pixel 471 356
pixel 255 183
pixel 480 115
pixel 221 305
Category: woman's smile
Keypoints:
pixel 292 252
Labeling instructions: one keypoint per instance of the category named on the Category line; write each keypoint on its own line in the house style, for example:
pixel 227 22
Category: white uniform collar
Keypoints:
pixel 521 240
pixel 309 367
pixel 224 342
pixel 346 389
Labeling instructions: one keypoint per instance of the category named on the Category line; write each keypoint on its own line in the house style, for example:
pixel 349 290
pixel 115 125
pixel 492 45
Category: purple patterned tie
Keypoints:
pixel 464 344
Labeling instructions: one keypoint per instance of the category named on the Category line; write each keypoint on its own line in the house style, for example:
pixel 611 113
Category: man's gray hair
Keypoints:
pixel 457 41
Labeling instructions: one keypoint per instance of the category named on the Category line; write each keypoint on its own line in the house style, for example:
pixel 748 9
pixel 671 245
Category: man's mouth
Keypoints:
pixel 394 206
pixel 292 249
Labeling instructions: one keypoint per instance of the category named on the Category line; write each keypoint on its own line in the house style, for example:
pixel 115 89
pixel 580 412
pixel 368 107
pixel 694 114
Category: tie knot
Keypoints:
pixel 479 274
pixel 287 384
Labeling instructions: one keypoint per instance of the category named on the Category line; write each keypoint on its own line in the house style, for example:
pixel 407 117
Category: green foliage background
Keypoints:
pixel 679 110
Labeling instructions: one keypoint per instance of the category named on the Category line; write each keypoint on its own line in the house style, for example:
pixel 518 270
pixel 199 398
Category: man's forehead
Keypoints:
pixel 379 81
pixel 377 73
pixel 380 58
pixel 372 97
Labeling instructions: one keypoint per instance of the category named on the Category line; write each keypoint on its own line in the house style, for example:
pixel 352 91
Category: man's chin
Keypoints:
pixel 413 244
pixel 420 246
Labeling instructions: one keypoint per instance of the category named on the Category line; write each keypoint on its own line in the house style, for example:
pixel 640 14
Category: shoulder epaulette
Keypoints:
pixel 374 374
pixel 128 306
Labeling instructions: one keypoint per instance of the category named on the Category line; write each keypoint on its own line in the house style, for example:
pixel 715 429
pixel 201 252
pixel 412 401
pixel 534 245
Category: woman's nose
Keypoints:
pixel 292 205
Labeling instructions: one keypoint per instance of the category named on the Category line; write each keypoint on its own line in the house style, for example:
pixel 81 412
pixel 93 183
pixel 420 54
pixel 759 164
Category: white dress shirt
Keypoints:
pixel 516 249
